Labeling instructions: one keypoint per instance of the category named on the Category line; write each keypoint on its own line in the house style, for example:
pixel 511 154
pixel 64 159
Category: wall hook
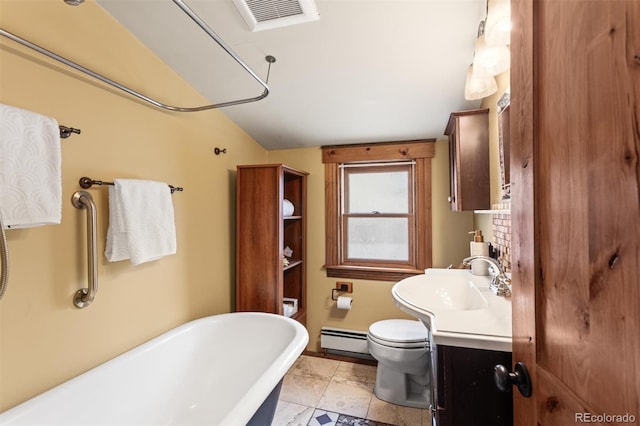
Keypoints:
pixel 219 151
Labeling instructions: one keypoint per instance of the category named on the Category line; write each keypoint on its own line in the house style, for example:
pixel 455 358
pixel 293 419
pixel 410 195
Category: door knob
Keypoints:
pixel 520 377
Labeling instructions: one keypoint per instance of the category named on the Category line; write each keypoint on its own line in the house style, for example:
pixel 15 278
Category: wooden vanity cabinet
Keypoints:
pixel 263 280
pixel 470 186
pixel 466 394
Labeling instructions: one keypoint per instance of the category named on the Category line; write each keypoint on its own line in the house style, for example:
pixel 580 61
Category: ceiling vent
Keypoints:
pixel 266 14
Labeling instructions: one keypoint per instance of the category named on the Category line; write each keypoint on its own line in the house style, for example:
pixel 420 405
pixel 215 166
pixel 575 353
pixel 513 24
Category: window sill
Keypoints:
pixel 369 273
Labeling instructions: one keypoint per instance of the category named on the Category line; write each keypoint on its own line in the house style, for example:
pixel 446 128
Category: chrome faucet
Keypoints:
pixel 500 284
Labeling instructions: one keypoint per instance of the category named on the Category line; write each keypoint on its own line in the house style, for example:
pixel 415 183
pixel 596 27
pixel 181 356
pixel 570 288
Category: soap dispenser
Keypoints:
pixel 479 248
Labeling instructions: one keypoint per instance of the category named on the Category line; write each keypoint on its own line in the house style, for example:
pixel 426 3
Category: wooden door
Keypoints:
pixel 575 138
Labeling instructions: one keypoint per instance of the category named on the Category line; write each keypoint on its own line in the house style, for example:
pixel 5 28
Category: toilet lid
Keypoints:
pixel 399 331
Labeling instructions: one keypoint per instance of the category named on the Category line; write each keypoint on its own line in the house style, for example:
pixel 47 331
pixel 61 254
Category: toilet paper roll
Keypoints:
pixel 344 302
pixel 288 310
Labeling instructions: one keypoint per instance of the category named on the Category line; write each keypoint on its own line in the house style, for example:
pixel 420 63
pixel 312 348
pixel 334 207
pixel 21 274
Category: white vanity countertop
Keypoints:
pixel 459 308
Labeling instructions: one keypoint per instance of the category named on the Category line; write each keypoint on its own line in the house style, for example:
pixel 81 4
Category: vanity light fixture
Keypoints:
pixel 479 87
pixel 491 55
pixel 498 28
pixel 489 60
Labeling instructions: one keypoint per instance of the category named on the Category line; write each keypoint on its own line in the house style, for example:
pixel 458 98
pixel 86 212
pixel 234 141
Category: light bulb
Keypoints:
pixel 498 27
pixel 490 60
pixel 479 87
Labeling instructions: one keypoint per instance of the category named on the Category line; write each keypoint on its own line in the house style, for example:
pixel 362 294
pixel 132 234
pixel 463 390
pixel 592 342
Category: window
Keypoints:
pixel 377 214
pixel 378 209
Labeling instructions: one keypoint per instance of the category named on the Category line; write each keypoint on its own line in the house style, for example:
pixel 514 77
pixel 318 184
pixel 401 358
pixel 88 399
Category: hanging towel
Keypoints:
pixel 30 169
pixel 141 223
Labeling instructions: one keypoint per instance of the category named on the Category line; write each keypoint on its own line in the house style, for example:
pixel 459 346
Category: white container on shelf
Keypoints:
pixel 478 247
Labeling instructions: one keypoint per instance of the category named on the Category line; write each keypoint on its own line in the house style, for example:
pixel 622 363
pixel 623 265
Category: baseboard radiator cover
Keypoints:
pixel 338 341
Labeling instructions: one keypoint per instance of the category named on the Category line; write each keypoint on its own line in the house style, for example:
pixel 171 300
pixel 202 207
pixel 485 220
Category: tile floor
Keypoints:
pixel 325 392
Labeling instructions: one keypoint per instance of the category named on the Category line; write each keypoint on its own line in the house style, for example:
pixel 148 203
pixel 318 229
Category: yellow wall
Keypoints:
pixel 372 300
pixel 44 339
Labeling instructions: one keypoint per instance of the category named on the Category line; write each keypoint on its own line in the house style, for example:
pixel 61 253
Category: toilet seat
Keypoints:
pixel 399 333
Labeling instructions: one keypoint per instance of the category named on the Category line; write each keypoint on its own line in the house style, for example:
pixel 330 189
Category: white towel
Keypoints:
pixel 141 223
pixel 30 169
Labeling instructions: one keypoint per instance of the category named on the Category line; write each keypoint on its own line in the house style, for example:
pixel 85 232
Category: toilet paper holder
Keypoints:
pixel 333 293
pixel 341 287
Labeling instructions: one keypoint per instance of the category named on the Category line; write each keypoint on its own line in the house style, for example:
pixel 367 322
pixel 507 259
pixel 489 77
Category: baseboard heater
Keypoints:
pixel 343 342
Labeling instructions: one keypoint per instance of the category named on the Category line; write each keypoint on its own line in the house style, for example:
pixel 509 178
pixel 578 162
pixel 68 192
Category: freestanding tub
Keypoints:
pixel 219 370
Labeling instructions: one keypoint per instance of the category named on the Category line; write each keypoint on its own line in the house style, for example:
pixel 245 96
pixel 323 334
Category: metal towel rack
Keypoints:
pixel 65 131
pixel 201 24
pixel 85 296
pixel 86 183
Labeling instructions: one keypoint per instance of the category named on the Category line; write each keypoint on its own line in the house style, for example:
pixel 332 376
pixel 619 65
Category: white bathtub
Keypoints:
pixel 217 370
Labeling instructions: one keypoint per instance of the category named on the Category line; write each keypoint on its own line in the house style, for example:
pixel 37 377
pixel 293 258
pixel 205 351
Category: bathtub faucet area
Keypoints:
pixel 216 377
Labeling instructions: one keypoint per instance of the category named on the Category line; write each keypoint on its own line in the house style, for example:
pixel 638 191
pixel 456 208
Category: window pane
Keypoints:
pixel 378 238
pixel 384 192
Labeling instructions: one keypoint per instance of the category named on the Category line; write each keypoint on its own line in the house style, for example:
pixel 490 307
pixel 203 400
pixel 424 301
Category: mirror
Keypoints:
pixel 503 144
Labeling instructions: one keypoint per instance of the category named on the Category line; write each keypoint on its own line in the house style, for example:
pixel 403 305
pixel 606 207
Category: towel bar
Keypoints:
pixel 86 182
pixel 65 131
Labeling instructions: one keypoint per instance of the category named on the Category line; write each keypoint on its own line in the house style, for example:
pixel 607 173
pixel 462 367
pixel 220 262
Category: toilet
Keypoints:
pixel 404 362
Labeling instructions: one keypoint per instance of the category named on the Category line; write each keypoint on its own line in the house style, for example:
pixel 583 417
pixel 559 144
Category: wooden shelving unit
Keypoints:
pixel 263 280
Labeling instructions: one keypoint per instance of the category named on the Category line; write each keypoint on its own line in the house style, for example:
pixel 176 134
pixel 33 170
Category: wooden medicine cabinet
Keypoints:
pixel 468 133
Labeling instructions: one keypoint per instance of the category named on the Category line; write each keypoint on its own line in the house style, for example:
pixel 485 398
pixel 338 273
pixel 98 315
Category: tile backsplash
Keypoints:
pixel 502 233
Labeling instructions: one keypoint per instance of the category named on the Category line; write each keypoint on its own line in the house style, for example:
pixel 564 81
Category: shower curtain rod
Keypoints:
pixel 201 24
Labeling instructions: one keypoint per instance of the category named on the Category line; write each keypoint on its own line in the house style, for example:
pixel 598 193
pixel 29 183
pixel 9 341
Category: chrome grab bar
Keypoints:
pixel 84 296
pixel 191 14
pixel 4 259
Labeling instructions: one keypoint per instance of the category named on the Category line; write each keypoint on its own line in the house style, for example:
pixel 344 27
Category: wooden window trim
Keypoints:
pixel 421 152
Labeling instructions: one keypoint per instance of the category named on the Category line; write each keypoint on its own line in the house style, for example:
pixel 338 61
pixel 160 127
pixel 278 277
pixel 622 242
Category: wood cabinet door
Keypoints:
pixel 575 138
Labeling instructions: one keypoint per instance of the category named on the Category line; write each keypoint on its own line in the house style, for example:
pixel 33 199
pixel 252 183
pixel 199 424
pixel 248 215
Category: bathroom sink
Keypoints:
pixel 440 292
pixel 458 307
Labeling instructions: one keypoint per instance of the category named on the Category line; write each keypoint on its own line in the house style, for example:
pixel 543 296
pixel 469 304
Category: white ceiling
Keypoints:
pixel 366 71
